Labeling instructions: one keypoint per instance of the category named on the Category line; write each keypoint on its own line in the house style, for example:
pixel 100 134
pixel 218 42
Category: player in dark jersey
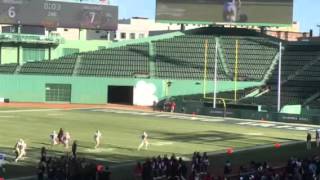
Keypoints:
pixel 60 136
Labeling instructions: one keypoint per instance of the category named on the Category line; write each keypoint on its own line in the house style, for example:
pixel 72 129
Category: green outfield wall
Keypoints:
pixel 94 90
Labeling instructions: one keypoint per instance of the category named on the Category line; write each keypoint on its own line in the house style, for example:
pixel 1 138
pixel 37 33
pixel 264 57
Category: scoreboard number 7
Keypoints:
pixel 12 12
pixel 92 16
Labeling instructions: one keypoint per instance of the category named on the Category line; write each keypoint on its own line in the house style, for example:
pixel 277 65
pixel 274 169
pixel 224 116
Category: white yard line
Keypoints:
pixel 28 110
pixel 7 116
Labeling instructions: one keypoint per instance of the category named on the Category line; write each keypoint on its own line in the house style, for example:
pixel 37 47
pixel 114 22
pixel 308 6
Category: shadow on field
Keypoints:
pixel 25 167
pixel 204 137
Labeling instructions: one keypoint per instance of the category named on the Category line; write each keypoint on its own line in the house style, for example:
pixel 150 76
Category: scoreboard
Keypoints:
pixel 58 14
pixel 226 11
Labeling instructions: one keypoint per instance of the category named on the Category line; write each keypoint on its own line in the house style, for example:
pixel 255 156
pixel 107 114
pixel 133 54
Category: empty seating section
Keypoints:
pixel 292 61
pixel 123 61
pixel 300 78
pixel 223 31
pixel 8 68
pixel 61 67
pixel 183 57
pixel 255 55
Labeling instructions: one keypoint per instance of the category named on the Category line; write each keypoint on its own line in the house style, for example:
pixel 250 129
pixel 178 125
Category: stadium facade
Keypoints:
pixel 63 65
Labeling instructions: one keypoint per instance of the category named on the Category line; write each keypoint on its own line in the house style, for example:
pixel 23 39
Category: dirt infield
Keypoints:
pixel 67 106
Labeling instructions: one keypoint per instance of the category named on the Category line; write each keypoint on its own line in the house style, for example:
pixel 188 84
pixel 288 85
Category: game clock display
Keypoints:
pixel 58 14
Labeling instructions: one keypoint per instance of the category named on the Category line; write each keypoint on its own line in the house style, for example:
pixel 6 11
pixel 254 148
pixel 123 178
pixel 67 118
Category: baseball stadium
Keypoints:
pixel 210 89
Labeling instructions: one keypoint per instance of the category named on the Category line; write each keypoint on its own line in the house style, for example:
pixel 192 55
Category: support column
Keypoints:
pixel 0 53
pixel 49 53
pixel 18 55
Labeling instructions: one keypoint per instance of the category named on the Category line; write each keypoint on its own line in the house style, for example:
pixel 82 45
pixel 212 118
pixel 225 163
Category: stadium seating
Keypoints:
pixel 222 31
pixel 60 67
pixel 184 58
pixel 125 61
pixel 255 55
pixel 300 77
pixel 8 68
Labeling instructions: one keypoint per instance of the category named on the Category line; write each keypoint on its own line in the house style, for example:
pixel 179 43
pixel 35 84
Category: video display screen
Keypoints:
pixel 226 11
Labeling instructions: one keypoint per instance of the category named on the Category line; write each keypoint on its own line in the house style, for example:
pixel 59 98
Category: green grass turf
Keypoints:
pixel 121 136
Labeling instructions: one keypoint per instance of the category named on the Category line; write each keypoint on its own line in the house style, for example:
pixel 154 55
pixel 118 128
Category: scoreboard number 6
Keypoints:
pixel 12 12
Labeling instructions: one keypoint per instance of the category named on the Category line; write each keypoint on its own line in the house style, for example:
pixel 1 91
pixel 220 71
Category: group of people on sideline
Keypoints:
pixel 71 168
pixel 172 168
pixel 309 139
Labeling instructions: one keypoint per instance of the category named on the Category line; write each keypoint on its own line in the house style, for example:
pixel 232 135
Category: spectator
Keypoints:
pixel 74 149
pixel 138 171
pixel 317 138
pixel 227 168
pixel 308 141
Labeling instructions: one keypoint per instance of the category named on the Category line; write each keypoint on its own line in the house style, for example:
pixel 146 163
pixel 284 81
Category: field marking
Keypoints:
pixel 201 118
pixel 55 114
pixel 283 127
pixel 274 122
pixel 161 114
pixel 29 110
pixel 162 143
pixel 254 134
pixel 7 116
pixel 302 128
pixel 99 150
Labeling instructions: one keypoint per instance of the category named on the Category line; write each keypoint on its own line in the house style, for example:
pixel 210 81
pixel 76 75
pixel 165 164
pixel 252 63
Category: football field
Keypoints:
pixel 121 134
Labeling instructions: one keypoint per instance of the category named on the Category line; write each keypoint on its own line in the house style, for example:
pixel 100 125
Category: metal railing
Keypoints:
pixel 28 38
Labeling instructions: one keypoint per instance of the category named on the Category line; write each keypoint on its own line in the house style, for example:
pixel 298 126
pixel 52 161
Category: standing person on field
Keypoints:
pixel 173 106
pixel 54 138
pixel 317 137
pixel 60 135
pixel 231 10
pixel 308 141
pixel 20 149
pixel 144 141
pixel 66 139
pixel 97 137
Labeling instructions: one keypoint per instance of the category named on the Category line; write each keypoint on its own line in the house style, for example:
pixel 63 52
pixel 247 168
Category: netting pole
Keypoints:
pixel 205 68
pixel 236 72
pixel 215 77
pixel 279 78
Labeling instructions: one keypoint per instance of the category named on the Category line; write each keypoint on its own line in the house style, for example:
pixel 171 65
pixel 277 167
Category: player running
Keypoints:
pixel 144 141
pixel 97 137
pixel 54 138
pixel 231 10
pixel 66 139
pixel 60 136
pixel 20 149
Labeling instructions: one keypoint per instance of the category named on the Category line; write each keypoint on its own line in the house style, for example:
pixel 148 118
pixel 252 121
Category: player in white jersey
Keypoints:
pixel 54 138
pixel 231 10
pixel 20 149
pixel 97 137
pixel 144 141
pixel 66 139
